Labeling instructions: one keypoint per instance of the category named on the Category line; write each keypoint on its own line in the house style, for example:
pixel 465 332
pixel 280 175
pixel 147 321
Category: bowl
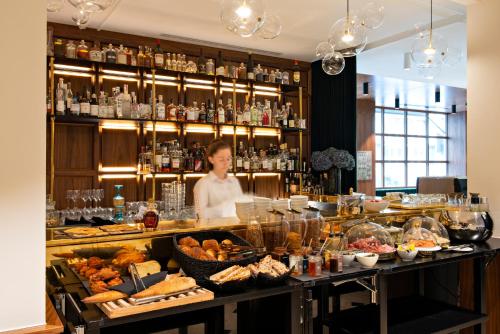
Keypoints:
pixel 407 255
pixel 348 258
pixel 367 260
pixel 376 205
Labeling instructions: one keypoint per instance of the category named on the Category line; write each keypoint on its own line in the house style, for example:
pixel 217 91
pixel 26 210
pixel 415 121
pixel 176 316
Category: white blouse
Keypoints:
pixel 215 197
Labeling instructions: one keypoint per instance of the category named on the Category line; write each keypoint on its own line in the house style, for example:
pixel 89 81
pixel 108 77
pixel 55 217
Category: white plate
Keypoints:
pixel 428 249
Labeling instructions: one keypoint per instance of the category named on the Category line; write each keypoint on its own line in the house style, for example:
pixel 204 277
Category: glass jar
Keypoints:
pixel 83 50
pixel 150 218
pixel 314 265
pixel 296 265
pixel 210 67
pixel 59 48
pixel 70 50
pixel 254 235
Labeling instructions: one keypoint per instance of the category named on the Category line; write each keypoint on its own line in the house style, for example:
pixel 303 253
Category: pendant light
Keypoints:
pixel 348 35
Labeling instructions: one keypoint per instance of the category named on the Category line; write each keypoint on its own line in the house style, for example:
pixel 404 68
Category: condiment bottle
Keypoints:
pixel 83 50
pixel 150 219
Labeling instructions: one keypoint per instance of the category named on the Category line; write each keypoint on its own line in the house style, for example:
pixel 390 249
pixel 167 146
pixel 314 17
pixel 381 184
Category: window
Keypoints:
pixel 409 144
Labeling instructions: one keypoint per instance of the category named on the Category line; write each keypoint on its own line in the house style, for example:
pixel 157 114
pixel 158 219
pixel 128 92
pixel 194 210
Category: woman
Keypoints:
pixel 215 193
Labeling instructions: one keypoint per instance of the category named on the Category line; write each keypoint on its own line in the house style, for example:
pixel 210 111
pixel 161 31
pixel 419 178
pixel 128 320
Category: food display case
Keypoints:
pixel 431 224
pixel 371 238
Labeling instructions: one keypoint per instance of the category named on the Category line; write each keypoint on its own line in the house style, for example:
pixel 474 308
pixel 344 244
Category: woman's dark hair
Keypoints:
pixel 215 146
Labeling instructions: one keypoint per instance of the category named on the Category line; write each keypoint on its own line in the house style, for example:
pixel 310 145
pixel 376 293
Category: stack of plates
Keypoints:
pixel 262 206
pixel 280 205
pixel 244 209
pixel 298 202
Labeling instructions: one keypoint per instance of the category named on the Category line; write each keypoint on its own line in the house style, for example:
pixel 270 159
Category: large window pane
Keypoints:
pixel 416 170
pixel 437 149
pixel 394 122
pixel 378 148
pixel 378 174
pixel 394 148
pixel 378 121
pixel 417 148
pixel 394 175
pixel 437 125
pixel 416 124
pixel 437 169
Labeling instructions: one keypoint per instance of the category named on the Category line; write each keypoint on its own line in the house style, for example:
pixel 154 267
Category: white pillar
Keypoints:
pixel 22 169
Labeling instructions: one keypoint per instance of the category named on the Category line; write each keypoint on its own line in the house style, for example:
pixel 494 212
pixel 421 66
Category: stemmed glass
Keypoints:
pixel 87 195
pixel 76 212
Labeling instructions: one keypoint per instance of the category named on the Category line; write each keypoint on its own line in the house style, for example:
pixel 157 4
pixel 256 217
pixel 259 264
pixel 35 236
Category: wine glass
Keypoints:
pixel 100 196
pixel 86 195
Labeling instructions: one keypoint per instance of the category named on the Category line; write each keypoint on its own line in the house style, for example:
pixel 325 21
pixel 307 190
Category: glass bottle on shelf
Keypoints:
pixel 203 113
pixel 158 157
pixel 296 73
pixel 70 50
pixel 210 112
pixel 285 78
pixel 229 112
pixel 272 77
pixel 202 63
pixel 220 113
pixel 174 62
pixel 168 62
pixel 75 105
pixel 82 50
pixel 121 56
pixel 134 107
pixel 266 114
pixel 265 75
pixel 254 161
pixel 118 103
pixel 69 97
pixel 181 115
pixel 150 218
pixel 254 114
pixel 246 114
pixel 94 105
pixel 259 74
pixel 242 71
pixel 103 108
pixel 148 59
pixel 118 204
pixel 198 160
pixel 210 67
pixel 95 52
pixel 110 54
pixel 140 57
pixel 278 76
pixel 160 108
pixel 275 119
pixel 165 161
pixel 189 114
pixel 246 162
pixel 290 120
pixel 159 57
pixel 171 111
pixel 250 73
pixel 239 114
pixel 183 63
pixel 104 50
pixel 283 117
pixel 196 111
pixel 126 103
pixel 130 57
pixel 220 65
pixel 239 158
pixel 259 114
pixel 85 103
pixel 59 48
pixel 59 98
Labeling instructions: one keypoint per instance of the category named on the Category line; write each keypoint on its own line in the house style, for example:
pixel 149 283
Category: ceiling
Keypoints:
pixel 305 24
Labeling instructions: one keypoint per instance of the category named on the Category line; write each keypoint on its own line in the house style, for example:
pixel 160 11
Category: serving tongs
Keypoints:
pixel 460 248
pixel 136 278
pixel 146 300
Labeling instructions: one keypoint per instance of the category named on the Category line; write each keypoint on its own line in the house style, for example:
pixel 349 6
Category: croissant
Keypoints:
pixel 168 286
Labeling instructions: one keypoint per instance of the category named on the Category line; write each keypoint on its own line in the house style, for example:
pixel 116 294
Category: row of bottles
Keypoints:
pixel 271 159
pixel 156 58
pixel 169 157
pixel 122 104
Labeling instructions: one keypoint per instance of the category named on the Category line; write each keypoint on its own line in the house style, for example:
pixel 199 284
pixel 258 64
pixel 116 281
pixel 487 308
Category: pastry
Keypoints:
pixel 104 274
pixel 125 259
pixel 95 262
pixel 83 231
pixel 98 286
pixel 226 243
pixel 186 250
pixel 212 254
pixel 148 268
pixel 104 297
pixel 171 285
pixel 210 244
pixel 115 281
pixel 189 241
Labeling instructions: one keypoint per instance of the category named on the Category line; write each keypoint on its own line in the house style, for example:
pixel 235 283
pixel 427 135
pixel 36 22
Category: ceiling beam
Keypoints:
pixel 410 33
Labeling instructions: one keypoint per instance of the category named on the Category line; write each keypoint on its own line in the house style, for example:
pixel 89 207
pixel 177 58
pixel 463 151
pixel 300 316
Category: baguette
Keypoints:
pixel 220 275
pixel 168 286
pixel 103 297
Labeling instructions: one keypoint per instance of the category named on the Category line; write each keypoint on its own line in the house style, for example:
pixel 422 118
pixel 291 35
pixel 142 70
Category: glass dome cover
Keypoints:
pixel 436 228
pixel 370 237
pixel 420 237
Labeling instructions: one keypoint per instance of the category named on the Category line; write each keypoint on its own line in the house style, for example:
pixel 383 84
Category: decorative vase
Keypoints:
pixel 335 181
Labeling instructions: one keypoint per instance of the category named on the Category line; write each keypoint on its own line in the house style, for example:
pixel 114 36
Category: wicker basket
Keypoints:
pixel 200 269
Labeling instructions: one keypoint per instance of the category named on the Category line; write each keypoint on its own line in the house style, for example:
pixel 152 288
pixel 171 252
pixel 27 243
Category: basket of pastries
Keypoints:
pixel 234 278
pixel 202 254
pixel 269 272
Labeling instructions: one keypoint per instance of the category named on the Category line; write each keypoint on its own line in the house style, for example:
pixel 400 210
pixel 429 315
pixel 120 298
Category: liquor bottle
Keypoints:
pixel 210 67
pixel 176 159
pixel 196 111
pixel 59 48
pixel 266 114
pixel 60 104
pixel 198 160
pixel 242 71
pixel 174 62
pixel 296 73
pixel 278 76
pixel 82 51
pixel 210 112
pixel 150 218
pixel 126 103
pixel 171 111
pixel 250 74
pixel 85 103
pixel 70 50
pixel 118 103
pixel 134 107
pixel 130 57
pixel 121 56
pixel 259 74
pixel 220 113
pixel 75 105
pixel 290 120
pixel 285 78
pixel 239 158
pixel 239 115
pixel 246 114
pixel 94 105
pixel 110 54
pixel 275 121
pixel 95 52
pixel 165 161
pixel 103 107
pixel 229 112
pixel 189 162
pixel 159 57
pixel 265 75
pixel 254 162
pixel 160 108
pixel 183 63
pixel 272 77
pixel 287 185
pixel 254 113
pixel 148 61
pixel 220 65
pixel 259 114
pixel 293 185
pixel 202 63
pixel 158 157
pixel 283 117
pixel 118 204
pixel 203 113
pixel 69 97
pixel 140 57
pixel 246 162
pixel 189 114
pixel 168 62
pixel 181 115
pixel 49 102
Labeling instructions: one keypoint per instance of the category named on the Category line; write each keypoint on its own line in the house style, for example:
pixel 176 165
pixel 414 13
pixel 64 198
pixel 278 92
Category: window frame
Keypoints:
pixel 427 161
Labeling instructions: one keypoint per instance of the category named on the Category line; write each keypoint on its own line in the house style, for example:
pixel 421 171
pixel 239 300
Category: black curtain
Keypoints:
pixel 333 119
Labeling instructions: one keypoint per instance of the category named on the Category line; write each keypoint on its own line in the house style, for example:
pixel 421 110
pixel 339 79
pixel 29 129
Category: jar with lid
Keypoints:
pixel 70 50
pixel 210 67
pixel 82 51
pixel 95 52
pixel 59 48
pixel 254 235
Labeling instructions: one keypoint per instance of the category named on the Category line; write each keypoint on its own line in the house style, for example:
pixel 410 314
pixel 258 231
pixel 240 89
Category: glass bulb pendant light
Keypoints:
pixel 91 6
pixel 243 17
pixel 348 35
pixel 333 63
pixel 371 15
pixel 323 49
pixel 271 27
pixel 54 6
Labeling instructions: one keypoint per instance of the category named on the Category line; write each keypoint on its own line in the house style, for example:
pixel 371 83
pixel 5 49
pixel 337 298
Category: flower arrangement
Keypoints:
pixel 332 157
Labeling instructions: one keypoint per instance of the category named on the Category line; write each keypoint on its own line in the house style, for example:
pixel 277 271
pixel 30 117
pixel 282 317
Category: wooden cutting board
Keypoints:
pixel 123 307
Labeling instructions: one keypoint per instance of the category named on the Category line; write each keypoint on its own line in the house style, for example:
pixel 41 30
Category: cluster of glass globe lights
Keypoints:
pixel 84 9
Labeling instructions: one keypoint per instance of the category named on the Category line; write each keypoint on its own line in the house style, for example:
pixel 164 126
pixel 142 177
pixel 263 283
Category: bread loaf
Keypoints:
pixel 148 268
pixel 104 297
pixel 171 285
